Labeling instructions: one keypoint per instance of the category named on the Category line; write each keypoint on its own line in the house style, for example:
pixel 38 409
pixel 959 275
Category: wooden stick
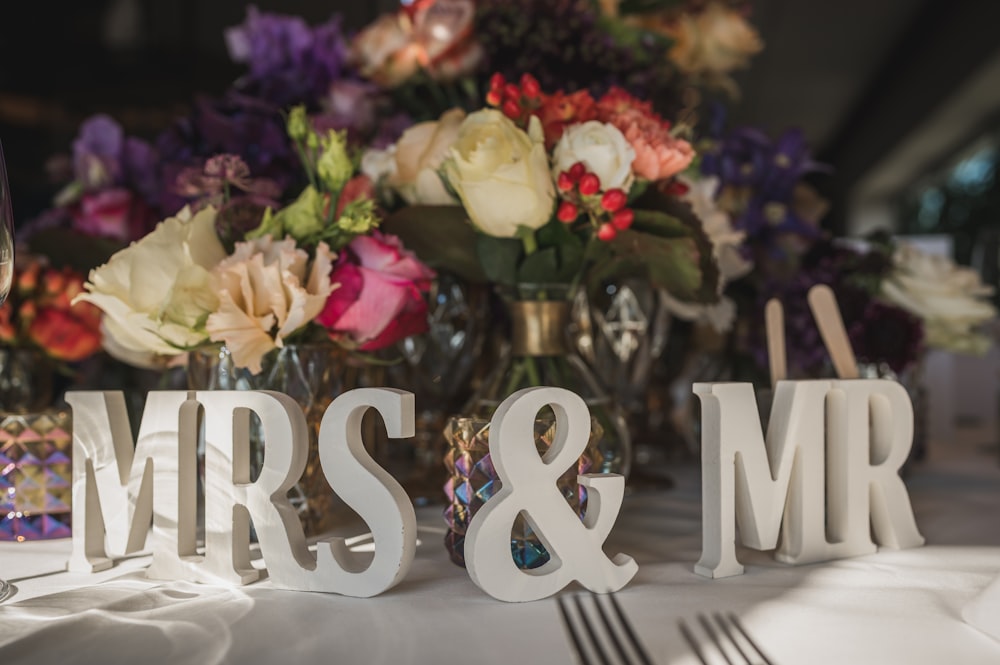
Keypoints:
pixel 774 327
pixel 823 304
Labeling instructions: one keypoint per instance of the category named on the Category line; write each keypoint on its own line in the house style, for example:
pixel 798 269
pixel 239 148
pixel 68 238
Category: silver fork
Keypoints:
pixel 728 638
pixel 599 630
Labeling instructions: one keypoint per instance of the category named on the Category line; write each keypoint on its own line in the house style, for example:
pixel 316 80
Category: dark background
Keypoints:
pixel 864 79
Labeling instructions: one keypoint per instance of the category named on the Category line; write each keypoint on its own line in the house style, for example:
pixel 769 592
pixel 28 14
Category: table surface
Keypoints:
pixel 891 607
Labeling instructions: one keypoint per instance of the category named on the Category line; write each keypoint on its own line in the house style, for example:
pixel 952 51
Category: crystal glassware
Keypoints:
pixel 6 269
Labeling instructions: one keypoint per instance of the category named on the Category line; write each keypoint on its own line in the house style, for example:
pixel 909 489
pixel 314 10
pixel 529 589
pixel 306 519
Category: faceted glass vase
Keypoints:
pixel 36 475
pixel 313 375
pixel 472 481
pixel 540 353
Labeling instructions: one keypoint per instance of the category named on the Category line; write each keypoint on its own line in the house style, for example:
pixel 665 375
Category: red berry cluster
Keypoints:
pixel 517 102
pixel 581 189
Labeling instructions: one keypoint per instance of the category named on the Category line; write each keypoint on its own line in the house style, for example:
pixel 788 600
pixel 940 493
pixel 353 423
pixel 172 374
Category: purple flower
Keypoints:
pixel 758 178
pixel 289 62
pixel 235 124
pixel 885 333
pixel 103 157
pixel 97 153
pixel 878 332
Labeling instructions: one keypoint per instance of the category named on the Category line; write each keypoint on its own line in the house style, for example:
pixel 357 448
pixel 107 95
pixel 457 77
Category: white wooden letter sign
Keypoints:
pixel 117 489
pixel 827 474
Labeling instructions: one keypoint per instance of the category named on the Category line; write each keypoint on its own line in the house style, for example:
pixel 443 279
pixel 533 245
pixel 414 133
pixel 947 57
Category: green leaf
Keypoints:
pixel 499 258
pixel 441 236
pixel 668 245
pixel 542 267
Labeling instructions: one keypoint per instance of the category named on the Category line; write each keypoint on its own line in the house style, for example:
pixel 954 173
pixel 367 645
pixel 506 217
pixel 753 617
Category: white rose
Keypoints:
pixel 602 148
pixel 157 293
pixel 501 174
pixel 419 154
pixel 950 299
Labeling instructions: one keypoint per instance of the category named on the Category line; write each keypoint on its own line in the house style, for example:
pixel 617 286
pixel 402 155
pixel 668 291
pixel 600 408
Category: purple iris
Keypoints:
pixel 289 62
pixel 104 157
pixel 761 174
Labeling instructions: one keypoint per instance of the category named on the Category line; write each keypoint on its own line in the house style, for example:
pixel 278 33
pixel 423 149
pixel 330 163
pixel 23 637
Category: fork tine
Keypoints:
pixel 714 636
pixel 591 631
pixel 739 626
pixel 693 643
pixel 626 625
pixel 721 621
pixel 574 635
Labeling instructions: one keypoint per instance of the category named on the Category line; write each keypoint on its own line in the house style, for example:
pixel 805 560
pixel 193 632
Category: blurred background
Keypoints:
pixel 897 96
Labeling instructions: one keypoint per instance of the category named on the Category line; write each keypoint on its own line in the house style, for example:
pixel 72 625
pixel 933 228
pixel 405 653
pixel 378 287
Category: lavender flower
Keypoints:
pixel 103 157
pixel 289 62
pixel 235 124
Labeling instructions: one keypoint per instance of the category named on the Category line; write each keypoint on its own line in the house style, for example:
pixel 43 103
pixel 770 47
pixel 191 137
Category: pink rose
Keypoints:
pixel 378 295
pixel 112 213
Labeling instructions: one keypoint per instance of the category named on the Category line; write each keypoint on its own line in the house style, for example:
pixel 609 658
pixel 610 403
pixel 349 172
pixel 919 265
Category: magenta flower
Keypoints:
pixel 379 300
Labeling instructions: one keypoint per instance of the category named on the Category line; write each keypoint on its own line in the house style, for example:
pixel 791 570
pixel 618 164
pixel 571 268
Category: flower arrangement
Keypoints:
pixel 41 314
pixel 550 188
pixel 314 269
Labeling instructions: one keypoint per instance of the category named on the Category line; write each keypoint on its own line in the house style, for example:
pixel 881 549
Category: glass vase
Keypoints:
pixel 621 330
pixel 26 380
pixel 438 367
pixel 313 375
pixel 540 353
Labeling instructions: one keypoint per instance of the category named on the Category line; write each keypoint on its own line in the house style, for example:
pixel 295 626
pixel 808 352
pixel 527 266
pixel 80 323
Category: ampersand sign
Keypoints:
pixel 529 486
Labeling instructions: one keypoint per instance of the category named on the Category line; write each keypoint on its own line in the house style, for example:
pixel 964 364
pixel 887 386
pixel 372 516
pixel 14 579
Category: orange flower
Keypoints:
pixel 560 110
pixel 64 336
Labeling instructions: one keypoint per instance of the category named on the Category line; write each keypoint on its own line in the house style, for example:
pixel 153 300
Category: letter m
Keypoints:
pixel 114 480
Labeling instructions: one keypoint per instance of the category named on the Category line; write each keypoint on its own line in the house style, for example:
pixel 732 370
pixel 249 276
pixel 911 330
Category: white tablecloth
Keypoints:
pixel 893 607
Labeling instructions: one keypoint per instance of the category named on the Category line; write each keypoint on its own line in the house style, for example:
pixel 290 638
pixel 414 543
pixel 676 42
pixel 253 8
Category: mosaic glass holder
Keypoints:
pixel 36 475
pixel 472 481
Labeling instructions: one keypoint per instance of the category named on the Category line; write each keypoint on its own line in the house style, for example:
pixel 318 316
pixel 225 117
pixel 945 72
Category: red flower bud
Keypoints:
pixel 622 219
pixel 613 200
pixel 565 182
pixel 576 171
pixel 530 86
pixel 676 188
pixel 567 212
pixel 511 109
pixel 497 82
pixel 589 184
pixel 511 92
pixel 493 98
pixel 606 233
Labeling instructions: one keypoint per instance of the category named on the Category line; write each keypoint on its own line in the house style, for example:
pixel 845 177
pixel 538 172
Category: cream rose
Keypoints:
pixel 501 174
pixel 419 154
pixel 267 291
pixel 157 293
pixel 602 148
pixel 950 299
